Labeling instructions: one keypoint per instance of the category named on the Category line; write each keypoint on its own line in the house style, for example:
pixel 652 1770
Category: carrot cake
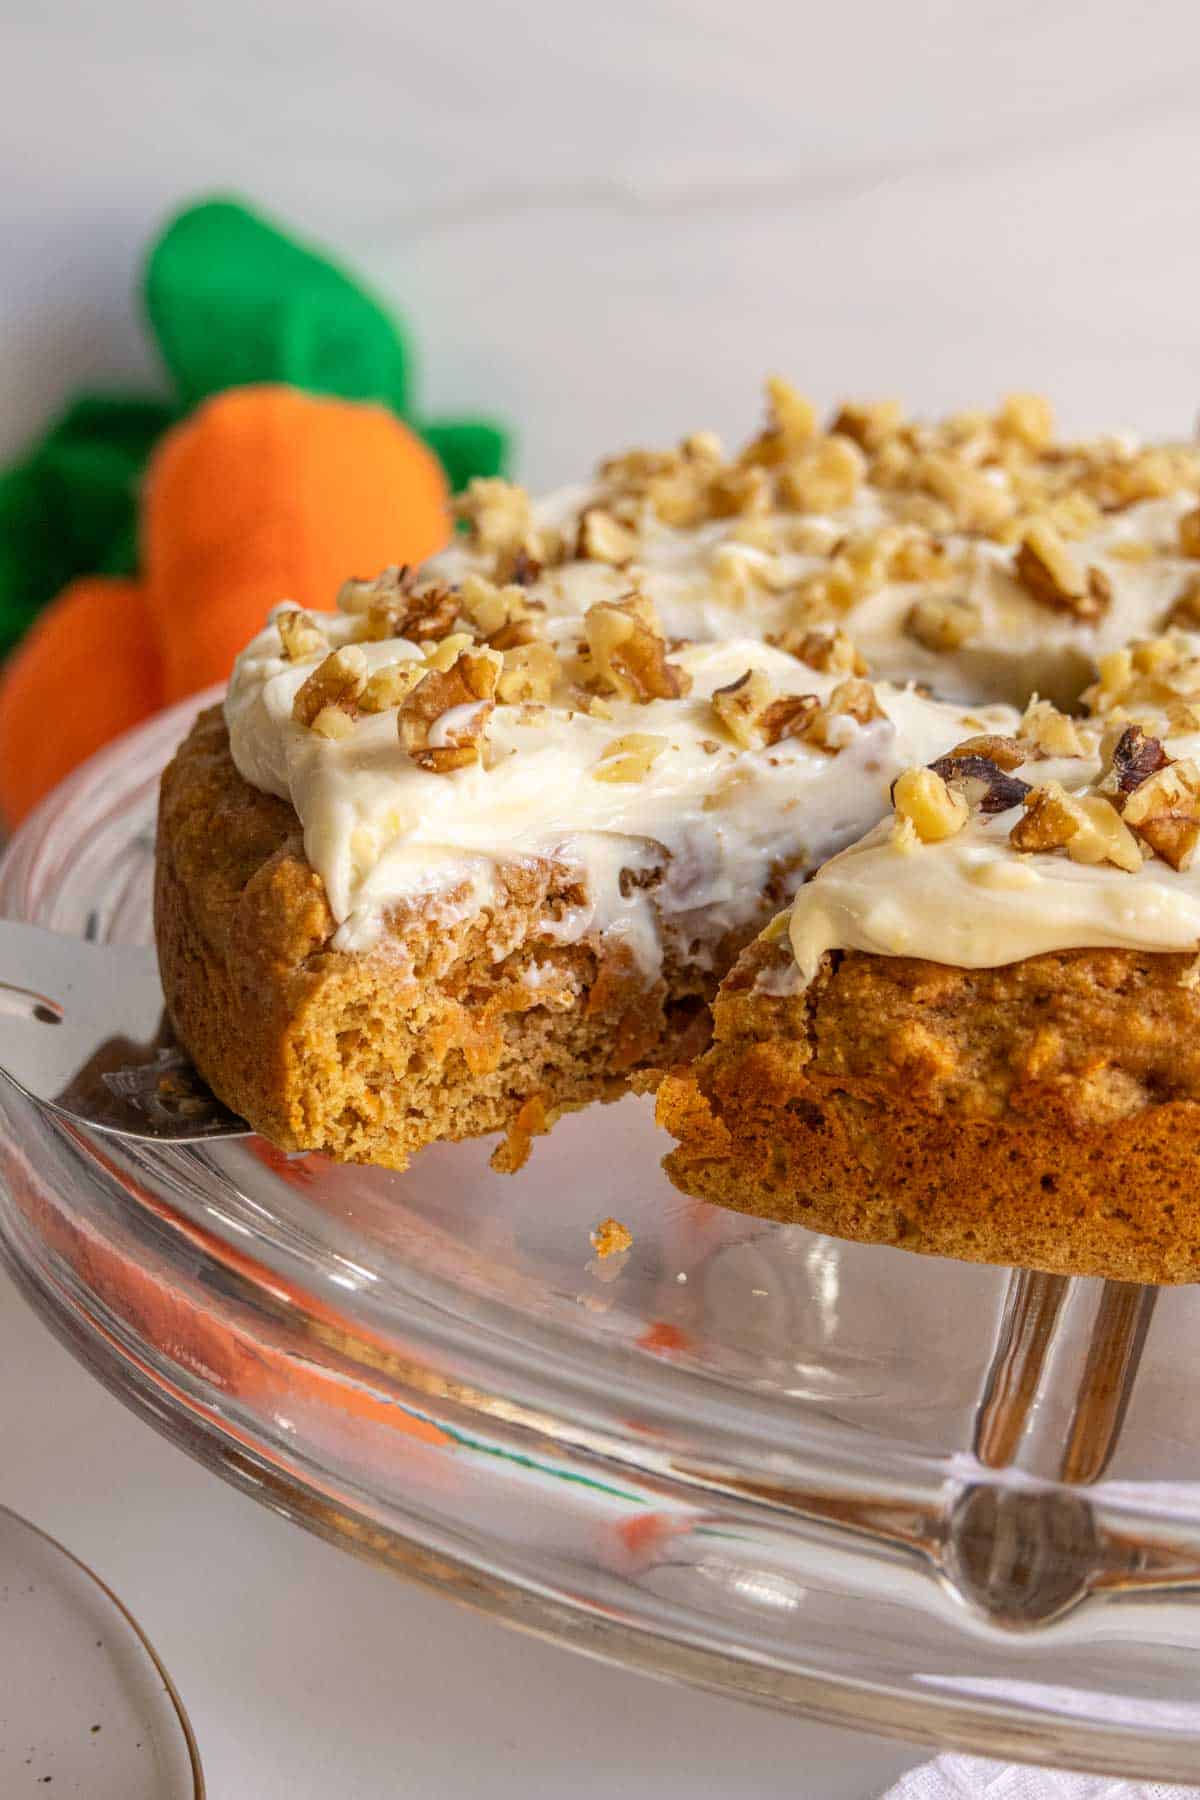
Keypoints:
pixel 977 1031
pixel 480 845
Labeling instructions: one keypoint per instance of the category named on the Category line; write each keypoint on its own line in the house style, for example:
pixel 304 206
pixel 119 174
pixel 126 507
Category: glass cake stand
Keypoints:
pixel 936 1500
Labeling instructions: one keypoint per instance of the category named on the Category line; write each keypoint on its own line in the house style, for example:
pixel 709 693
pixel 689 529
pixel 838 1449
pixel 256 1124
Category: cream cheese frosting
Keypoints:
pixel 725 819
pixel 975 900
pixel 971 563
pixel 725 578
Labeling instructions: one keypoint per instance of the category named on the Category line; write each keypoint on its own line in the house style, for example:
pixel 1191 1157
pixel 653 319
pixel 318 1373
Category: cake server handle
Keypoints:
pixel 83 1032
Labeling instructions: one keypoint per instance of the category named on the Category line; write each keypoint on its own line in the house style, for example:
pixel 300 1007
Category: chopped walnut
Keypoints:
pixel 1047 732
pixel 869 423
pixel 975 502
pixel 703 447
pixel 983 784
pixel 391 684
pixel 1029 418
pixel 794 417
pixel 1088 828
pixel 739 706
pixel 299 636
pixel 1005 752
pixel 629 652
pixel 389 607
pixel 499 514
pixel 1189 533
pixel 737 576
pixel 1164 810
pixel 429 614
pixel 1181 718
pixel 943 624
pixel 823 477
pixel 337 681
pixel 443 721
pixel 1047 570
pixel 604 539
pixel 501 615
pixel 332 722
pixel 611 1238
pixel 629 758
pixel 933 809
pixel 529 673
pixel 854 699
pixel 832 652
pixel 1186 610
pixel 391 588
pixel 735 492
pixel 1150 672
pixel 380 622
pixel 1128 757
pixel 919 557
pixel 791 716
pixel 791 422
pixel 445 652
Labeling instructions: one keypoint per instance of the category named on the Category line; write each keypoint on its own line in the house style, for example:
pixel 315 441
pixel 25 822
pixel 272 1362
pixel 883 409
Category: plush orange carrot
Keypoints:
pixel 87 670
pixel 267 494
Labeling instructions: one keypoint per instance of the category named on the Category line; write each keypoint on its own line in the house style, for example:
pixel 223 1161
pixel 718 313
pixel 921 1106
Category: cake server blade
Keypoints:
pixel 82 1031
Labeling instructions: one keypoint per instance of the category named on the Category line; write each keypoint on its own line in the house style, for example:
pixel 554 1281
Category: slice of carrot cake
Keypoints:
pixel 977 1032
pixel 422 888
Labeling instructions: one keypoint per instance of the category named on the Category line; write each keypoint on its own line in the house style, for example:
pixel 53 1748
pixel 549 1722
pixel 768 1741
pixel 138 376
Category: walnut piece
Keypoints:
pixel 332 722
pixel 610 1238
pixel 740 706
pixel 629 652
pixel 391 684
pixel 1186 610
pixel 832 652
pixel 943 624
pixel 974 502
pixel 824 477
pixel 443 721
pixel 1027 418
pixel 983 784
pixel 529 673
pixel 1129 757
pixel 604 539
pixel 870 423
pixel 499 515
pixel 299 636
pixel 1046 569
pixel 391 588
pixel 791 716
pixel 1164 810
pixel 1005 752
pixel 1089 828
pixel 629 758
pixel 337 681
pixel 500 615
pixel 850 700
pixel 1047 732
pixel 1149 672
pixel 1189 533
pixel 933 809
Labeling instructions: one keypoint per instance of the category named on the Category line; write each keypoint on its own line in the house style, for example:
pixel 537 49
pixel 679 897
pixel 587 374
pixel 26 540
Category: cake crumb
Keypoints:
pixel 610 1238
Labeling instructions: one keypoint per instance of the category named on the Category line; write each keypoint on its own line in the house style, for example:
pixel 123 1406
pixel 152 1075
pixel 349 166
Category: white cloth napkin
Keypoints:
pixel 973 1778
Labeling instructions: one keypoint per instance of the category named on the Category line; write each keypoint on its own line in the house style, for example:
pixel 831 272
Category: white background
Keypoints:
pixel 604 222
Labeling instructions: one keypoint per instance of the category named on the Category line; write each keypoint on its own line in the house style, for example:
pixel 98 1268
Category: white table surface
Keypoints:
pixel 605 223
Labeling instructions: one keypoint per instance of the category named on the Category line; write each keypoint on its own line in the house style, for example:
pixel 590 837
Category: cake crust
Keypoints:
pixel 1044 1114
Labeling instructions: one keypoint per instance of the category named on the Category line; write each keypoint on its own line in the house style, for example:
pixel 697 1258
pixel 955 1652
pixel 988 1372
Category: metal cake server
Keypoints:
pixel 82 1031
